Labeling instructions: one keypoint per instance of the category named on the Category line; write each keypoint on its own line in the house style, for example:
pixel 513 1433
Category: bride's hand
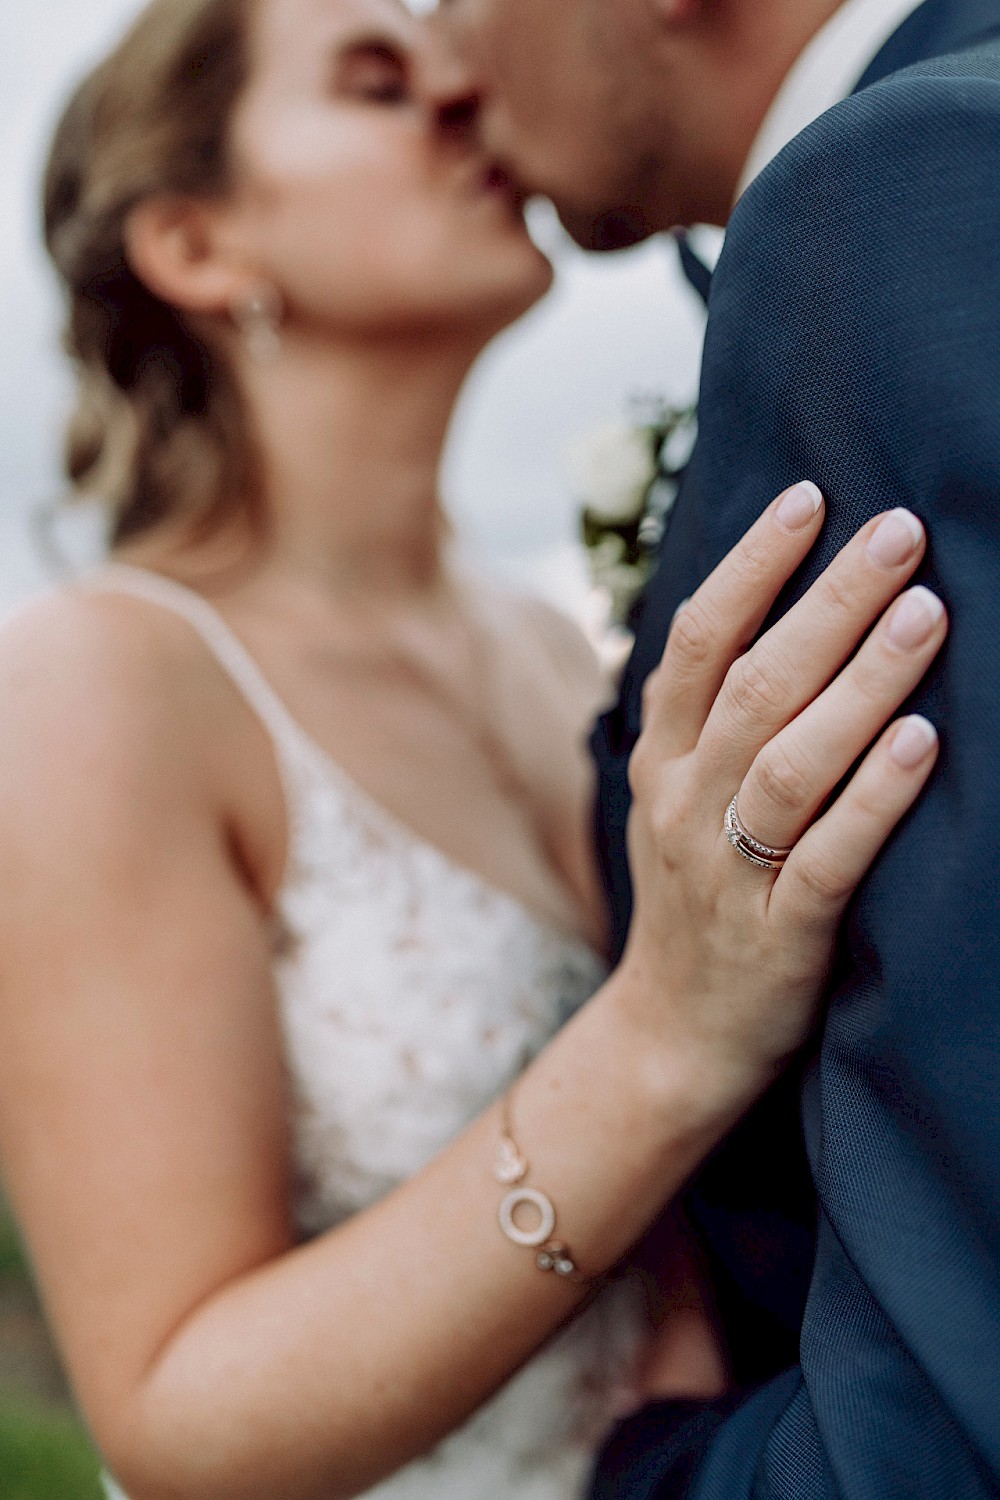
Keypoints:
pixel 737 953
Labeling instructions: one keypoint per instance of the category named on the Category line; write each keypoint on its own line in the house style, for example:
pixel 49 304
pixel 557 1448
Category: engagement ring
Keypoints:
pixel 748 847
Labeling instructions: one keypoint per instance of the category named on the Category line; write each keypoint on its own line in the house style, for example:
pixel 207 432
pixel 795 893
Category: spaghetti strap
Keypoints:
pixel 219 638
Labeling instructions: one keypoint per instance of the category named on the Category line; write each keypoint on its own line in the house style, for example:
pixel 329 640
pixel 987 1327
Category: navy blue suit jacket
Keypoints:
pixel 852 1224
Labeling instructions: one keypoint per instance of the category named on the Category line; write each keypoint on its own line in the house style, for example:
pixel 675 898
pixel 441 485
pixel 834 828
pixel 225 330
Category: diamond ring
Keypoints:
pixel 749 848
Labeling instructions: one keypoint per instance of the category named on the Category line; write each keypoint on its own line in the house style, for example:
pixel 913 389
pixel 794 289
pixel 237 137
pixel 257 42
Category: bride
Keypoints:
pixel 325 1122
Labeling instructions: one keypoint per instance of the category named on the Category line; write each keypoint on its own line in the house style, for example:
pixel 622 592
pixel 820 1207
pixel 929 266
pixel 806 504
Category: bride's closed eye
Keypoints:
pixel 372 71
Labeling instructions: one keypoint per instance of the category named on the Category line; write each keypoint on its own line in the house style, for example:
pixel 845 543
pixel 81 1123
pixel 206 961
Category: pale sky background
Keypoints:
pixel 613 328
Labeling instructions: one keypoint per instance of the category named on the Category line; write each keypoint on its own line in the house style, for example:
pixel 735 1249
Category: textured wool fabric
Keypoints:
pixel 664 1441
pixel 854 339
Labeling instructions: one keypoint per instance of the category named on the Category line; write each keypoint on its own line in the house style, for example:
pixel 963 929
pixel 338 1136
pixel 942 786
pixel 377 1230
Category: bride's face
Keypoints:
pixel 368 207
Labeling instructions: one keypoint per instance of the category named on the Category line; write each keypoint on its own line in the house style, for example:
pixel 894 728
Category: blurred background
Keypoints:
pixel 613 329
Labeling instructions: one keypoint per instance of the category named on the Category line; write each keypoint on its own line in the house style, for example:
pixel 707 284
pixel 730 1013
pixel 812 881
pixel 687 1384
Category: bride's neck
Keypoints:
pixel 351 444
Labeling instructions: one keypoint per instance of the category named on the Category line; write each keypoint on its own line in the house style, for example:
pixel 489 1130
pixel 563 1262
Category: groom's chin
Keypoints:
pixel 614 229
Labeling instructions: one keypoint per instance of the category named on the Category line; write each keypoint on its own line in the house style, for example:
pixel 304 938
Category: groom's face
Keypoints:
pixel 567 100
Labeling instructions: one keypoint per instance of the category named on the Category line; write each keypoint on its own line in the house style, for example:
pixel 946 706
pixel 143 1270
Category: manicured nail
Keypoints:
pixel 798 506
pixel 914 619
pixel 895 539
pixel 913 741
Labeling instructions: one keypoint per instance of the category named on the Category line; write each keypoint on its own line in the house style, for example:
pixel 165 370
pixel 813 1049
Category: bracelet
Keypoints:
pixel 510 1170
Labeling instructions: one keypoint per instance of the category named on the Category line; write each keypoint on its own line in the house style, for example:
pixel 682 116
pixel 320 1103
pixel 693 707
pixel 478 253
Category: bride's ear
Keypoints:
pixel 172 247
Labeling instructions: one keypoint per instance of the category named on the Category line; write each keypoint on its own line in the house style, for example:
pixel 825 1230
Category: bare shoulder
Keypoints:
pixel 97 708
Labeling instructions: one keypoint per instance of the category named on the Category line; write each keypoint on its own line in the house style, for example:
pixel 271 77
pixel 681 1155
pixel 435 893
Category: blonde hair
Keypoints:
pixel 159 431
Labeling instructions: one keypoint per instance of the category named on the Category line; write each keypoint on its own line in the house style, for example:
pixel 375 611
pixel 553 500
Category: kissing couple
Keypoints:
pixel 343 1071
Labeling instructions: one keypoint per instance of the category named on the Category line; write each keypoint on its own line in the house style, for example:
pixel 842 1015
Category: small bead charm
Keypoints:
pixel 556 1258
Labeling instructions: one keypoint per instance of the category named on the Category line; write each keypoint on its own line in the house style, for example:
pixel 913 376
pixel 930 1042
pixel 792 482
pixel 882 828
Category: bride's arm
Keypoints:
pixel 142 1094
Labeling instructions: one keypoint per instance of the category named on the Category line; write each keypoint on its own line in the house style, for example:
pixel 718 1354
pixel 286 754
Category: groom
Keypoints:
pixel 854 339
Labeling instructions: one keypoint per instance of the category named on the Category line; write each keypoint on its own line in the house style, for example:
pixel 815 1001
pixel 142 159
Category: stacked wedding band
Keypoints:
pixel 750 848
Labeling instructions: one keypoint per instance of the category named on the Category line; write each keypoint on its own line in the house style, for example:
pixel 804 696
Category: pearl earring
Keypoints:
pixel 258 315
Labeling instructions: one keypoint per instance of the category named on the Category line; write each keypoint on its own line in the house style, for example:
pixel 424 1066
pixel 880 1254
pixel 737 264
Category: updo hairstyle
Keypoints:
pixel 160 431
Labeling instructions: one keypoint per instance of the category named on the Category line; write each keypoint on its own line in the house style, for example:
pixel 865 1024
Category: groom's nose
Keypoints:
pixel 450 89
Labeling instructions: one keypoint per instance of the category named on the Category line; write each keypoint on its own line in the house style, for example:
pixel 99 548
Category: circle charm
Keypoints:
pixel 531 1238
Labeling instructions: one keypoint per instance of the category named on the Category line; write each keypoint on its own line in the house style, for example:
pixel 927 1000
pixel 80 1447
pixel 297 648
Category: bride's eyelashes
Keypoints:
pixel 372 70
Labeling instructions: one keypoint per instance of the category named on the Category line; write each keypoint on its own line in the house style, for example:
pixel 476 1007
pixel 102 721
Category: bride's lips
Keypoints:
pixel 493 180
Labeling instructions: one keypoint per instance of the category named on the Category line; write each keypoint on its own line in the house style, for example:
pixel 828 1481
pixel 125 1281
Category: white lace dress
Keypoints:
pixel 412 993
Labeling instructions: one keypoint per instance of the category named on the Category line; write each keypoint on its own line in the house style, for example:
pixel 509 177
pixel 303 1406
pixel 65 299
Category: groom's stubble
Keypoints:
pixel 634 116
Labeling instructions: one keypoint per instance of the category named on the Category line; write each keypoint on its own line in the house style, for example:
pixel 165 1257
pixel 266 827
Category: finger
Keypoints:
pixel 798 657
pixel 718 622
pixel 827 865
pixel 795 773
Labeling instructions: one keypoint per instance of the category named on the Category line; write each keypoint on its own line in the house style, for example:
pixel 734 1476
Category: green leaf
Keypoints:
pixel 13 1261
pixel 45 1455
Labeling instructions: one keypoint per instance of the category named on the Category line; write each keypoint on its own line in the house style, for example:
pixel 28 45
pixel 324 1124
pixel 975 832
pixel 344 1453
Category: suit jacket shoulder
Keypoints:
pixel 857 293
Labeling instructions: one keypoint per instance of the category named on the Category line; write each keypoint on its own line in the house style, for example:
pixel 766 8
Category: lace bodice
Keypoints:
pixel 412 993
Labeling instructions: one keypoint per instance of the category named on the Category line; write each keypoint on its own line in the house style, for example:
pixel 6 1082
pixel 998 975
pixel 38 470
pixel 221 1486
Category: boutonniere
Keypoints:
pixel 626 476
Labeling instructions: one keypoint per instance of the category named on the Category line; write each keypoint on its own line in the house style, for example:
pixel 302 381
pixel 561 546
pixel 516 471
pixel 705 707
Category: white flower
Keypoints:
pixel 612 470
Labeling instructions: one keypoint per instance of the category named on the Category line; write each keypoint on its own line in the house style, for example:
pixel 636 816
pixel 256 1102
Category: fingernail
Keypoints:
pixel 895 539
pixel 914 619
pixel 913 742
pixel 798 506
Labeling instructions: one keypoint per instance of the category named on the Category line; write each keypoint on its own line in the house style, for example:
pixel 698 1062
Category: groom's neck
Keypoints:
pixel 725 65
